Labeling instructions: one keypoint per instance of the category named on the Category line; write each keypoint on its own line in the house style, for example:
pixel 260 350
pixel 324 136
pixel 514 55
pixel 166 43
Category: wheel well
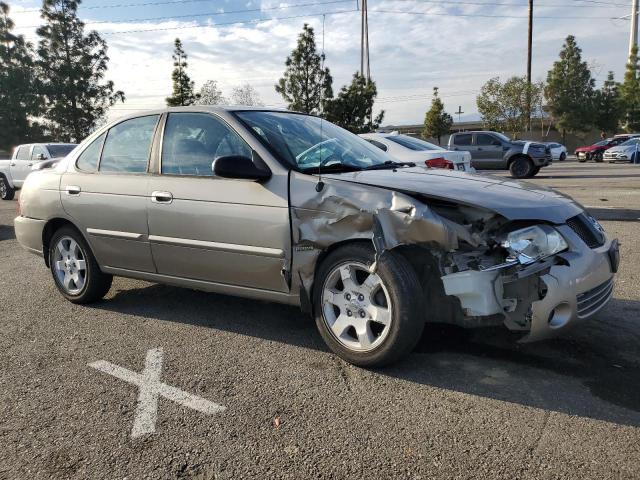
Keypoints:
pixel 50 228
pixel 516 156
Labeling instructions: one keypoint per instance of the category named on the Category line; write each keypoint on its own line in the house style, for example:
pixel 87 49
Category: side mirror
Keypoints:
pixel 239 167
pixel 41 156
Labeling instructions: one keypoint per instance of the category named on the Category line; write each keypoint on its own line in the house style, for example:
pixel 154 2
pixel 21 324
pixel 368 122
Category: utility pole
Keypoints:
pixel 633 35
pixel 530 45
pixel 365 71
pixel 459 112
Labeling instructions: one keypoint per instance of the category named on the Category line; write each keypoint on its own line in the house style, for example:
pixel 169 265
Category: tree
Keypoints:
pixel 437 122
pixel 18 96
pixel 71 67
pixel 246 95
pixel 608 109
pixel 305 85
pixel 504 106
pixel 630 94
pixel 353 107
pixel 570 90
pixel 183 93
pixel 210 94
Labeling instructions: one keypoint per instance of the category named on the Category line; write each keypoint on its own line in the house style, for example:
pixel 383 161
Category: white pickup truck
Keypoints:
pixel 14 171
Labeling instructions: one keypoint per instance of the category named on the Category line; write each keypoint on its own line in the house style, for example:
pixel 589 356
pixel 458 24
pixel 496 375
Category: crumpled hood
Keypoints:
pixel 514 200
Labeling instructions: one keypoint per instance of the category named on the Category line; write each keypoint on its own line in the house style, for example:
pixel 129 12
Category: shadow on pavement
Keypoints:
pixel 600 358
pixel 615 214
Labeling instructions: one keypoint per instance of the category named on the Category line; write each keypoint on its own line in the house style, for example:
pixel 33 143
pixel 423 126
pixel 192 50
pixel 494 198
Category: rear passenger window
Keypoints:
pixel 464 139
pixel 23 153
pixel 192 141
pixel 89 159
pixel 128 144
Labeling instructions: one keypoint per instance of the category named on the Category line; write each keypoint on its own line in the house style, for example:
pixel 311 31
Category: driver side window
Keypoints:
pixel 192 141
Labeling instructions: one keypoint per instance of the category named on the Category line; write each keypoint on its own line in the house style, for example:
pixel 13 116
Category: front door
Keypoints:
pixel 107 190
pixel 218 230
pixel 488 150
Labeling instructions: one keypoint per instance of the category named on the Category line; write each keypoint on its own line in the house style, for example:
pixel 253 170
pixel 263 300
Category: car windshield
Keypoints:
pixel 310 143
pixel 412 143
pixel 631 142
pixel 57 151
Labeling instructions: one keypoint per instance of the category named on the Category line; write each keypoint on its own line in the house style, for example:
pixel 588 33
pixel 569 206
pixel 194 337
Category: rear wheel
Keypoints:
pixel 598 157
pixel 521 167
pixel 535 171
pixel 6 192
pixel 74 268
pixel 368 319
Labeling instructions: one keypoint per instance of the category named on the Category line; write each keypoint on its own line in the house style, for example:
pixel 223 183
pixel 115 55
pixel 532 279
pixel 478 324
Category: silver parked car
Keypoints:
pixel 286 207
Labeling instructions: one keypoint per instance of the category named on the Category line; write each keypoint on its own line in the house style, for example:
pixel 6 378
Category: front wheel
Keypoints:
pixel 6 192
pixel 368 319
pixel 598 157
pixel 521 167
pixel 563 157
pixel 74 268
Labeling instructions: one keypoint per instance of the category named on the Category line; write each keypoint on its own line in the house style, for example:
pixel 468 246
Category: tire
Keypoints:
pixel 535 171
pixel 598 157
pixel 521 167
pixel 6 191
pixel 393 293
pixel 563 157
pixel 77 282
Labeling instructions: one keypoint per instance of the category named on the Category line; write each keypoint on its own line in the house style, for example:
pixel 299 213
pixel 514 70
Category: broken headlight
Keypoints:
pixel 534 243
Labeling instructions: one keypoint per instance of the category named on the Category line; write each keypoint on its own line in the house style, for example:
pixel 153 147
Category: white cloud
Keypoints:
pixel 410 54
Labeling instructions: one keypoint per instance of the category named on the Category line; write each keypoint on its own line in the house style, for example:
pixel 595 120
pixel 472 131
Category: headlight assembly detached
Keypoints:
pixel 534 243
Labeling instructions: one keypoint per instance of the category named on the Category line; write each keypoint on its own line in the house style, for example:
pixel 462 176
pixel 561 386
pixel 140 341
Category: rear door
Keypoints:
pixel 227 231
pixel 464 142
pixel 106 193
pixel 488 150
pixel 20 166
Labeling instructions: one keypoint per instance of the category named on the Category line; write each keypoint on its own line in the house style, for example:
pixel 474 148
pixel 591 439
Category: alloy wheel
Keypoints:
pixel 356 306
pixel 70 265
pixel 3 188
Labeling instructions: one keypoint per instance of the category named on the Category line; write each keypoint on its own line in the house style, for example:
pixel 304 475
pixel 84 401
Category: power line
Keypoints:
pixel 208 14
pixel 481 15
pixel 592 4
pixel 510 4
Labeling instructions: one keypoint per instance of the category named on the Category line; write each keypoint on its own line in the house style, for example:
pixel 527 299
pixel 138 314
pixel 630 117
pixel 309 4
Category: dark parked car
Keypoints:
pixel 493 150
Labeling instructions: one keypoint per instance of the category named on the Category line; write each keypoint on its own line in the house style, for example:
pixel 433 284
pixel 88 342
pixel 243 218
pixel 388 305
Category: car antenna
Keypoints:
pixel 320 184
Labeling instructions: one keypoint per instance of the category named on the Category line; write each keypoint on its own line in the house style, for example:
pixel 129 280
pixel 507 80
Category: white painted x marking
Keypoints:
pixel 151 388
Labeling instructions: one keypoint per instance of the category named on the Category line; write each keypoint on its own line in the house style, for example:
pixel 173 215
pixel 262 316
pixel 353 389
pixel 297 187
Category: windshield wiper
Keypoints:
pixel 334 167
pixel 389 164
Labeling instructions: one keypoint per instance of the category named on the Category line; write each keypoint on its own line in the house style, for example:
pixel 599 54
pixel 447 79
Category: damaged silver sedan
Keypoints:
pixel 286 207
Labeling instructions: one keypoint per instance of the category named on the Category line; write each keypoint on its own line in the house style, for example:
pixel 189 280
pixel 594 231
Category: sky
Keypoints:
pixel 415 45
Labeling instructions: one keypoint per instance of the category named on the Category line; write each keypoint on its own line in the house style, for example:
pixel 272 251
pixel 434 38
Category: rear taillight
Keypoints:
pixel 439 162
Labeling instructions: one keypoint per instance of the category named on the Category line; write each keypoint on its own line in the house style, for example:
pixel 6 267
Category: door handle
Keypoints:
pixel 161 197
pixel 72 190
pixel 479 149
pixel 12 164
pixel 29 164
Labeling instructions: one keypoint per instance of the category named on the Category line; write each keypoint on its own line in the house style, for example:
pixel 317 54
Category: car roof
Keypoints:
pixel 202 108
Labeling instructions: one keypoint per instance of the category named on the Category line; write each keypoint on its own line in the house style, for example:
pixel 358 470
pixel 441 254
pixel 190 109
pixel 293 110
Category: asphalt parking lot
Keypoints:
pixel 463 405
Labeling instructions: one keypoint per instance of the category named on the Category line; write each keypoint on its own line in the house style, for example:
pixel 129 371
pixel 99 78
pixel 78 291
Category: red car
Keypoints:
pixel 596 151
